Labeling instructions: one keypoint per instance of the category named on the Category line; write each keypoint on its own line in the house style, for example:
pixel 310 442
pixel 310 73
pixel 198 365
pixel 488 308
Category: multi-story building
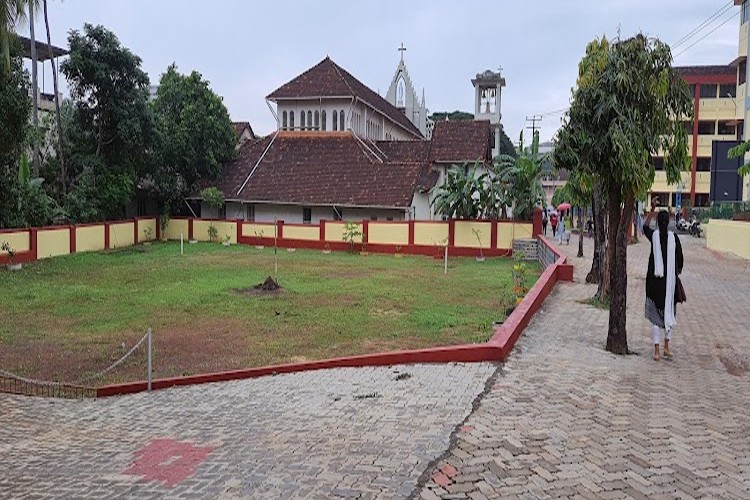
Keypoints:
pixel 716 120
pixel 721 114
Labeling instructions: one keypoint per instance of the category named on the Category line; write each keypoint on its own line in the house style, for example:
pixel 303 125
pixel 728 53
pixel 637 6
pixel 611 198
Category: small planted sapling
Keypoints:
pixel 478 235
pixel 148 235
pixel 214 198
pixel 327 248
pixel 351 233
pixel 398 254
pixel 12 265
pixel 259 235
pixel 519 276
pixel 227 240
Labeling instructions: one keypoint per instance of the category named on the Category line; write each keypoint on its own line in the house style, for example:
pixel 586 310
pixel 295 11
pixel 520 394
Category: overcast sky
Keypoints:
pixel 248 49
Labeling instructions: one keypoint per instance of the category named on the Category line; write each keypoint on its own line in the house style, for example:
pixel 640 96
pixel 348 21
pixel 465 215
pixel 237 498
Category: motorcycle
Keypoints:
pixel 694 227
pixel 682 224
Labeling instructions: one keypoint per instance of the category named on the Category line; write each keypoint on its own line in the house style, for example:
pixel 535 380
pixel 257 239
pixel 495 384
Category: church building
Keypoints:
pixel 343 152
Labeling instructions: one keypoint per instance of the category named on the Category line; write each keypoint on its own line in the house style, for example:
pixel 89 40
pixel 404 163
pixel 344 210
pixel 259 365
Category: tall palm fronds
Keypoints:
pixel 11 13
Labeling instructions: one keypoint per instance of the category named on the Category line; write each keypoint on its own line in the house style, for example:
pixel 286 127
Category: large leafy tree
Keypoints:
pixel 627 107
pixel 195 135
pixel 111 134
pixel 15 107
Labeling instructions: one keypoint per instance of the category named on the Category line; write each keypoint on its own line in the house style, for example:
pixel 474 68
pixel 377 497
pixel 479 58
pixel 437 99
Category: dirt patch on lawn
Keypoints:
pixel 735 365
pixel 268 287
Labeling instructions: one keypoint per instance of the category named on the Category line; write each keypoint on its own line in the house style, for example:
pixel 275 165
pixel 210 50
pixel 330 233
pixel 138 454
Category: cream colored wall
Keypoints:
pixel 121 235
pixel 250 228
pixel 743 40
pixel 335 232
pixel 434 233
pixel 90 238
pixel 729 236
pixel 465 237
pixel 507 232
pixel 702 183
pixel 722 108
pixel 143 226
pixel 200 230
pixel 302 232
pixel 175 228
pixel 53 242
pixel 19 241
pixel 388 233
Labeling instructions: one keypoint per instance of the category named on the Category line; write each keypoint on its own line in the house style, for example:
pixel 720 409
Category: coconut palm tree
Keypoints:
pixel 34 4
pixel 57 100
pixel 11 12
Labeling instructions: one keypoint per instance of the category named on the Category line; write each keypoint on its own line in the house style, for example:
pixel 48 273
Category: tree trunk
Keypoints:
pixel 57 102
pixel 617 338
pixel 34 92
pixel 580 232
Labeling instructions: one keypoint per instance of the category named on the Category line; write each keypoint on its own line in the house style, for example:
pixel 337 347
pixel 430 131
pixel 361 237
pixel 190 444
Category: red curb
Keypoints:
pixel 496 349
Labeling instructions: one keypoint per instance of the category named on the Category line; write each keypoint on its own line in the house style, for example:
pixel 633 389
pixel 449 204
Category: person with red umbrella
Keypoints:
pixel 553 223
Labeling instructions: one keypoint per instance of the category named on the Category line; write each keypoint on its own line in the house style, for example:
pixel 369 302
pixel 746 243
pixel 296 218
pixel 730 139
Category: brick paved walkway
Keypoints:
pixel 567 419
pixel 351 433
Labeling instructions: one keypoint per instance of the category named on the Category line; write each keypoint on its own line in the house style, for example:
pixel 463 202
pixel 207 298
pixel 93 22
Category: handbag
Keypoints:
pixel 679 291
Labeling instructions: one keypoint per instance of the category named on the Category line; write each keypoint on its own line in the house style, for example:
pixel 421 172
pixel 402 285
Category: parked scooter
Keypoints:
pixel 682 223
pixel 694 227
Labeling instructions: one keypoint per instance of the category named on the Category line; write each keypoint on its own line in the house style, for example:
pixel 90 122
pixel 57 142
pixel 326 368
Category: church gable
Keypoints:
pixel 402 95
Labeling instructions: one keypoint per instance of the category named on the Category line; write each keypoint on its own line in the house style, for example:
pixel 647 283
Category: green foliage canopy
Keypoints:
pixel 195 135
pixel 112 132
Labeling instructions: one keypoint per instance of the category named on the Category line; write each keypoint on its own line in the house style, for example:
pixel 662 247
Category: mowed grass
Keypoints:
pixel 68 317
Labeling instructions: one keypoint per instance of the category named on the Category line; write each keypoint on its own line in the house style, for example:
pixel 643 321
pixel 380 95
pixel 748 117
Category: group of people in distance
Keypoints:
pixel 557 223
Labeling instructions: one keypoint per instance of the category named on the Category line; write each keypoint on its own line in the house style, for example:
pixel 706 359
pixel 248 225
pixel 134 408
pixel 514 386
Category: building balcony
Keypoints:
pixel 723 108
pixel 702 183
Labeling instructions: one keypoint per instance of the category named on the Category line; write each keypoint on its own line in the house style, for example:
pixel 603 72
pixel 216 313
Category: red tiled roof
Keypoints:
pixel 461 142
pixel 405 151
pixel 328 79
pixel 240 127
pixel 705 70
pixel 428 178
pixel 318 169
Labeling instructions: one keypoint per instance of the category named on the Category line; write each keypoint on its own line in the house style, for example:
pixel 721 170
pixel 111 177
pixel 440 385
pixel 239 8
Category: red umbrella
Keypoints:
pixel 563 206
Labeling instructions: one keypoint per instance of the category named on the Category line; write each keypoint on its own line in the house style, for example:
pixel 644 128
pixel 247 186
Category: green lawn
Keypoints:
pixel 66 317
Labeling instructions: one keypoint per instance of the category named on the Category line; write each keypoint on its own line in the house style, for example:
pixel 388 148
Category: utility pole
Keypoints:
pixel 533 119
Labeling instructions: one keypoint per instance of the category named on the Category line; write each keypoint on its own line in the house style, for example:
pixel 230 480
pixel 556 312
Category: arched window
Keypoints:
pixel 309 120
pixel 341 120
pixel 291 120
pixel 283 121
pixel 317 120
pixel 335 120
pixel 323 120
pixel 302 120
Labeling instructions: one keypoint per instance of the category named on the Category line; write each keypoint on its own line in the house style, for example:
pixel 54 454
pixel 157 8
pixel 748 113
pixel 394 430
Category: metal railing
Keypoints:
pixel 16 384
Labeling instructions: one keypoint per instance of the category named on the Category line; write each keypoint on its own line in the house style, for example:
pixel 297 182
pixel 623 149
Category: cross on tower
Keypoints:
pixel 402 49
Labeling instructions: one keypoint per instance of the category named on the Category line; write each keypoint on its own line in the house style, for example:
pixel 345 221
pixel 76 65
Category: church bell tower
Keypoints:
pixel 488 88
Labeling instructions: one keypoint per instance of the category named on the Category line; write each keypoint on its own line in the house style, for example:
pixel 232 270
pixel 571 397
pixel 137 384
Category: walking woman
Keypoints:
pixel 664 264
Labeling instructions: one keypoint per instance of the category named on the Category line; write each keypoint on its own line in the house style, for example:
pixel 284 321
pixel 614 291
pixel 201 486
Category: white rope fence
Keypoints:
pixel 79 383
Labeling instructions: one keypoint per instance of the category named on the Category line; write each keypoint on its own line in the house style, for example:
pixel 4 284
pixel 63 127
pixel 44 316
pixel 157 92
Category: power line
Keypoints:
pixel 702 25
pixel 706 35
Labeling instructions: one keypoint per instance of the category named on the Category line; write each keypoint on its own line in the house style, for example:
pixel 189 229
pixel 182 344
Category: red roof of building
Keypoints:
pixel 461 141
pixel 308 168
pixel 328 79
pixel 240 127
pixel 705 70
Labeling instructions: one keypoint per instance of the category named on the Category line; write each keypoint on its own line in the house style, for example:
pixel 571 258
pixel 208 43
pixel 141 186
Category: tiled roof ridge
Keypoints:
pixel 337 68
